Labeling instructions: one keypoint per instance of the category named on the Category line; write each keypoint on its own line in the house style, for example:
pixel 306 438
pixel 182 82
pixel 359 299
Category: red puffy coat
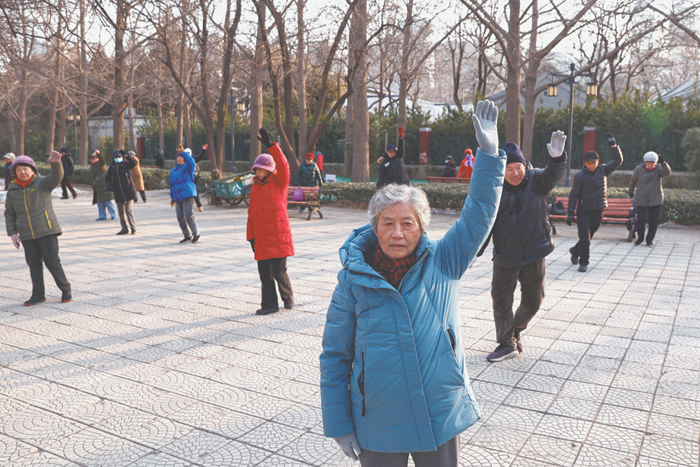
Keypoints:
pixel 268 220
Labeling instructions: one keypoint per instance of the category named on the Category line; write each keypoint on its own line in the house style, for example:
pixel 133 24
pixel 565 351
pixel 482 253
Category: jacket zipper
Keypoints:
pixel 361 384
pixel 29 218
pixel 47 219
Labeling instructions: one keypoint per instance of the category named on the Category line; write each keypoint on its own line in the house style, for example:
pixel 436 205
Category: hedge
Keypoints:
pixel 680 206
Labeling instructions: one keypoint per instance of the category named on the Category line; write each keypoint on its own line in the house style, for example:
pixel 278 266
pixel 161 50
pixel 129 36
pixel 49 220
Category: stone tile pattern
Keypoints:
pixel 161 361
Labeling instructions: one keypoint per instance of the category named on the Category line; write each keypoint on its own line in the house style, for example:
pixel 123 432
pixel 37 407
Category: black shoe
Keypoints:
pixel 650 244
pixel 582 267
pixel 64 197
pixel 33 301
pixel 302 209
pixel 133 232
pixel 195 239
pixel 186 239
pixel 122 232
pixel 267 311
pixel 289 305
pixel 638 242
pixel 574 258
pixel 66 297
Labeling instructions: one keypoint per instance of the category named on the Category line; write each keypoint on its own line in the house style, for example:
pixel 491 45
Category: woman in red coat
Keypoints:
pixel 269 231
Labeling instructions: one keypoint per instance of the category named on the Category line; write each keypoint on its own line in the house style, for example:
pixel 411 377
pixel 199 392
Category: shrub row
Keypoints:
pixel 680 206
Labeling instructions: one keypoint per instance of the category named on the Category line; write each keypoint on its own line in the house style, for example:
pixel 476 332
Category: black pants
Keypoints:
pixel 588 223
pixel 531 277
pixel 271 270
pixel 66 183
pixel 44 250
pixel 651 214
pixel 446 455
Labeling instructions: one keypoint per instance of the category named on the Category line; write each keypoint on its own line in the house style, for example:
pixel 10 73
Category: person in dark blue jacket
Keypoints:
pixel 183 191
pixel 394 380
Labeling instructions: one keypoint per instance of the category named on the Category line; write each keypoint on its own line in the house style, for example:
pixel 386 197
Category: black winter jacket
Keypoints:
pixel 450 169
pixel 590 189
pixel 160 158
pixel 392 169
pixel 118 180
pixel 521 233
pixel 68 167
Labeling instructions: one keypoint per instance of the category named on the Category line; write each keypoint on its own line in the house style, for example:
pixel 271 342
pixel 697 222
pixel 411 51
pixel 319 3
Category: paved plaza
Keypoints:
pixel 160 359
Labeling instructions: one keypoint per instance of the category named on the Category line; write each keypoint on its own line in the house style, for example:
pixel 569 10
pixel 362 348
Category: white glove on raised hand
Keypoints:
pixel 15 240
pixel 485 120
pixel 349 445
pixel 556 145
pixel 55 156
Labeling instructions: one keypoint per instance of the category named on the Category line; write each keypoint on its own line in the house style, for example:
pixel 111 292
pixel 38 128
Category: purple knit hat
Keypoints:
pixel 264 161
pixel 23 160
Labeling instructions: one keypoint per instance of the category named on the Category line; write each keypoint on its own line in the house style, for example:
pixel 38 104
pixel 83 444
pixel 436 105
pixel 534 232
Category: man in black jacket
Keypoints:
pixel 160 157
pixel 68 169
pixel 590 192
pixel 391 166
pixel 119 181
pixel 521 241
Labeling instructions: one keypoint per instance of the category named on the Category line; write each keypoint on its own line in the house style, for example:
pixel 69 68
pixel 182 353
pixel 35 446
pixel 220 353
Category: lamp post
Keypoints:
pixel 231 104
pixel 591 90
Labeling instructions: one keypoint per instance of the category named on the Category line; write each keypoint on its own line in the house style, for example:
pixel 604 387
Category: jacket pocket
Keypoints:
pixel 361 384
pixel 453 341
pixel 48 221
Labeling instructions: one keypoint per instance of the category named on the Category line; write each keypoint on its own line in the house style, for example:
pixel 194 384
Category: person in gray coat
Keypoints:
pixel 650 194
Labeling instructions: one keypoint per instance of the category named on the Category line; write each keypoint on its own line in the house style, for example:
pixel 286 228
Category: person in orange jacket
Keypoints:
pixel 467 165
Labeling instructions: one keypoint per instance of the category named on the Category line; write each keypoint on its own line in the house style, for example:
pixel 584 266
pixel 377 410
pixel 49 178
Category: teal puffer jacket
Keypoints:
pixel 392 367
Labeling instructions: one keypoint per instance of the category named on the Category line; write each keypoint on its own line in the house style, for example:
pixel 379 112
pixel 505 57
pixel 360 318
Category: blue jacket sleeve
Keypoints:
pixel 190 164
pixel 458 248
pixel 336 361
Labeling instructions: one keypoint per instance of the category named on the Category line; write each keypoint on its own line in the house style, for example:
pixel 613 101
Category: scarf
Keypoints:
pixel 24 184
pixel 392 270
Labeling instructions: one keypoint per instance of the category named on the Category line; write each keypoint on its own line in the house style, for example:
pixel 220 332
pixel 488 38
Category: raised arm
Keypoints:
pixel 547 178
pixel 617 156
pixel 281 164
pixel 56 175
pixel 458 248
pixel 665 168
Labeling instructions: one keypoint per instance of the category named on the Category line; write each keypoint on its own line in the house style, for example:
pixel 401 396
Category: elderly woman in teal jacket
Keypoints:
pixel 393 376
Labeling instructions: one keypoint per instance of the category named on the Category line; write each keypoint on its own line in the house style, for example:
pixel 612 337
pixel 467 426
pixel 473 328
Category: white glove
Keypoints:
pixel 556 145
pixel 349 445
pixel 55 156
pixel 15 240
pixel 485 120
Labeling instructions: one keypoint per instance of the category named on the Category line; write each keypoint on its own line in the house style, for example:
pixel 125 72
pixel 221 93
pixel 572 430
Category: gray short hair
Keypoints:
pixel 391 194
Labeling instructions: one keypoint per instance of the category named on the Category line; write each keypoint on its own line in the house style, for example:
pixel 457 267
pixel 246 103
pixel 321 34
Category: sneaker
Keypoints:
pixel 638 242
pixel 267 311
pixel 133 232
pixel 122 232
pixel 289 305
pixel 101 219
pixel 201 209
pixel 186 239
pixel 582 268
pixel 501 353
pixel 195 239
pixel 574 258
pixel 66 297
pixel 114 217
pixel 650 244
pixel 33 301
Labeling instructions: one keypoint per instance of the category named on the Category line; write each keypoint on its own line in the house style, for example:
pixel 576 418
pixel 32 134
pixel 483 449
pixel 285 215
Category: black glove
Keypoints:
pixel 569 219
pixel 611 139
pixel 661 160
pixel 265 138
pixel 252 244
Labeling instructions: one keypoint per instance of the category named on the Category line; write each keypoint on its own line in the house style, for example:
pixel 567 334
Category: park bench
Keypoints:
pixel 312 199
pixel 619 211
pixel 447 180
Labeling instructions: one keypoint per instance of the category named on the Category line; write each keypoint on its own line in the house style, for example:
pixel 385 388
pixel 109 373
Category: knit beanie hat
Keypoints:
pixel 514 154
pixel 590 156
pixel 310 155
pixel 651 156
pixel 10 156
pixel 23 160
pixel 264 161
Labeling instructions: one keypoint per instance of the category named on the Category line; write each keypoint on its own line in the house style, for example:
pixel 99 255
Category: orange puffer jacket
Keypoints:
pixel 268 220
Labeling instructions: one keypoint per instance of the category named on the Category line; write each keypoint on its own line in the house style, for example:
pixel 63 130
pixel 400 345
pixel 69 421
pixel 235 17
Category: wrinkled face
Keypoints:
pixel 262 173
pixel 180 160
pixel 592 165
pixel 398 230
pixel 24 172
pixel 650 165
pixel 391 152
pixel 515 172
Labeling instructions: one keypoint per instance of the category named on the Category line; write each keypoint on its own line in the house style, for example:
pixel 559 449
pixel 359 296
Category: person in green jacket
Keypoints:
pixel 103 197
pixel 31 222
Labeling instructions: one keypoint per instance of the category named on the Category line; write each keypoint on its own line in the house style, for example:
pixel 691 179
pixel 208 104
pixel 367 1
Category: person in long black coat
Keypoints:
pixel 119 181
pixel 68 169
pixel 391 166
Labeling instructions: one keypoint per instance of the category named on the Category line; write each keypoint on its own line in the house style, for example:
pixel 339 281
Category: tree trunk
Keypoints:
pixel 513 74
pixel 132 129
pixel 62 117
pixel 403 71
pixel 301 81
pixel 360 117
pixel 256 96
pixel 51 128
pixel 349 113
pixel 159 109
pixel 118 103
pixel 530 87
pixel 186 112
pixel 13 134
pixel 83 105
pixel 22 113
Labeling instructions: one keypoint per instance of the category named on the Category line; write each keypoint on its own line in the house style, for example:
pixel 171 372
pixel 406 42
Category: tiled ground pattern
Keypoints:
pixel 161 361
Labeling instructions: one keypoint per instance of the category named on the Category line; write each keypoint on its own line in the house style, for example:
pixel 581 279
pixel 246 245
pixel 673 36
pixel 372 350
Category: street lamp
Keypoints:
pixel 591 90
